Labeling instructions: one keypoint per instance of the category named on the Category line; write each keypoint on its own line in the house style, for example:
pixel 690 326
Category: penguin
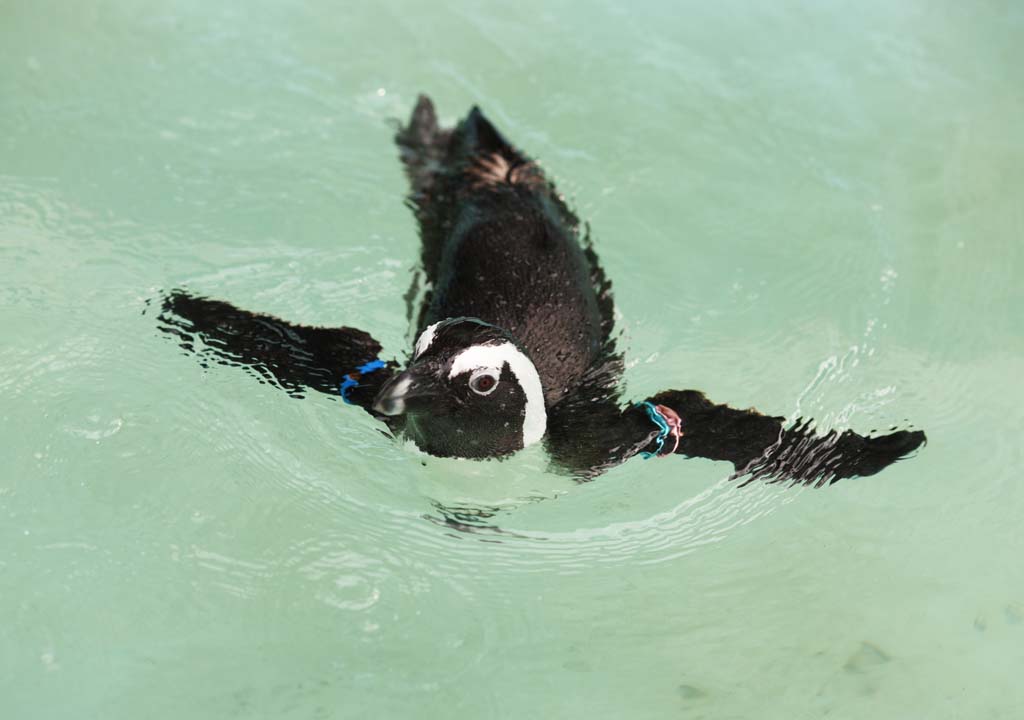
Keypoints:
pixel 514 338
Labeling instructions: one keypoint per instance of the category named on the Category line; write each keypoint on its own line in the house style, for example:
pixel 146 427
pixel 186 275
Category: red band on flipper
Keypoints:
pixel 675 425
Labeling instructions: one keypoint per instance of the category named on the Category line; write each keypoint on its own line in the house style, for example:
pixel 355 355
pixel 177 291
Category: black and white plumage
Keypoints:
pixel 514 336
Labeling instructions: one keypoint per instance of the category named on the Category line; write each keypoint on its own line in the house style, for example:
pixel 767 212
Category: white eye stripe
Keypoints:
pixel 488 357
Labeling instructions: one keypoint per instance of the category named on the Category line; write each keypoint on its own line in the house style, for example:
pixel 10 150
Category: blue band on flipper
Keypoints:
pixel 370 366
pixel 346 386
pixel 351 382
pixel 663 428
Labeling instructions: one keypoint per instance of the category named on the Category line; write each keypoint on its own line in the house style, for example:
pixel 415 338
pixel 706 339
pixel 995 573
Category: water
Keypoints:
pixel 809 207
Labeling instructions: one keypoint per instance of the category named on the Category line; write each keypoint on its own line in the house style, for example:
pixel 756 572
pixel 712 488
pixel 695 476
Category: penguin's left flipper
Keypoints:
pixel 297 358
pixel 761 447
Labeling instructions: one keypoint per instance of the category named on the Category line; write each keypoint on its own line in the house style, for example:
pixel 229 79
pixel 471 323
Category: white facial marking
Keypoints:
pixel 492 358
pixel 424 340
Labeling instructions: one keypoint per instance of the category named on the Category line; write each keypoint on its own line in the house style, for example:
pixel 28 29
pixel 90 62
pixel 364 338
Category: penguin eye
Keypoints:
pixel 483 382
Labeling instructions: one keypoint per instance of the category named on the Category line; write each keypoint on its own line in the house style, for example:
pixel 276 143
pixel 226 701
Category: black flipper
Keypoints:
pixel 294 357
pixel 760 447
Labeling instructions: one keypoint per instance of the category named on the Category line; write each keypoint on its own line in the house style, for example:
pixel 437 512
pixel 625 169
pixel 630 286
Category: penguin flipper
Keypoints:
pixel 296 358
pixel 762 447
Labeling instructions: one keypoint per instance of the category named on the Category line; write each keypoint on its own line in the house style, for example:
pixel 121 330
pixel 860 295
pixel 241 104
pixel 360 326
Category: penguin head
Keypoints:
pixel 470 391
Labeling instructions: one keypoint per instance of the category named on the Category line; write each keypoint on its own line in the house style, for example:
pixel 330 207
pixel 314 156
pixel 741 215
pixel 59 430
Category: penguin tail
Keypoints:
pixel 428 151
pixel 476 138
pixel 422 146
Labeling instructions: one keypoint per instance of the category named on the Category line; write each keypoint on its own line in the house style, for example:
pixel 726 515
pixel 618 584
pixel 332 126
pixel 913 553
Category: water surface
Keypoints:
pixel 809 207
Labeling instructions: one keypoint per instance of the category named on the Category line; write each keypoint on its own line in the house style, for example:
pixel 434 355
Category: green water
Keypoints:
pixel 812 207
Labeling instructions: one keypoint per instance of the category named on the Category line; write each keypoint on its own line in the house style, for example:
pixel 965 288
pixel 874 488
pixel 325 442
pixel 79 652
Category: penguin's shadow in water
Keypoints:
pixel 472 520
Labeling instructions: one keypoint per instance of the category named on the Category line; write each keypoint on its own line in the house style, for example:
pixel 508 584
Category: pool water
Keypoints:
pixel 811 207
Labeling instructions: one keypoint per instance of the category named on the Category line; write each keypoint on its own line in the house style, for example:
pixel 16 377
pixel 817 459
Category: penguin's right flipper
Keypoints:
pixel 763 447
pixel 294 357
pixel 589 438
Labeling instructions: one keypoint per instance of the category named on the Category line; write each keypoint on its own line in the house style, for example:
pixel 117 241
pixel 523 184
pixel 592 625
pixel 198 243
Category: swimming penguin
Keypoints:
pixel 514 340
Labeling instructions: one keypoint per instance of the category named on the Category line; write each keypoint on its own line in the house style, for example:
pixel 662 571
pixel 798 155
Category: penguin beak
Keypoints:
pixel 403 391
